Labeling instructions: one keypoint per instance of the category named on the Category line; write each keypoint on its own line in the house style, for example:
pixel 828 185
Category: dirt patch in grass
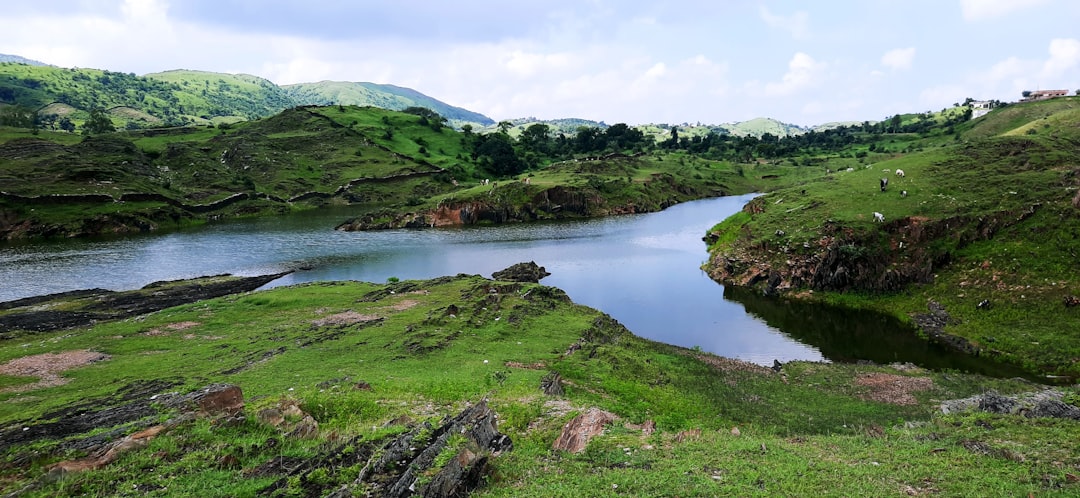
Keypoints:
pixel 404 304
pixel 202 337
pixel 47 367
pixel 732 365
pixel 344 318
pixel 172 327
pixel 893 389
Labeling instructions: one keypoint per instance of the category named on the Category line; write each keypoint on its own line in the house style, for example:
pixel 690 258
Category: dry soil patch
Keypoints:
pixel 894 389
pixel 47 367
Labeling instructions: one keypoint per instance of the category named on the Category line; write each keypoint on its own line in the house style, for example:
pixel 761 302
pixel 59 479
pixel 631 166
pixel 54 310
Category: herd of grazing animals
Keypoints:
pixel 884 184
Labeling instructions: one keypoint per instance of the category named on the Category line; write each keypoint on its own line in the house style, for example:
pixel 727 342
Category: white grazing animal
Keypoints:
pixel 900 173
pixel 878 217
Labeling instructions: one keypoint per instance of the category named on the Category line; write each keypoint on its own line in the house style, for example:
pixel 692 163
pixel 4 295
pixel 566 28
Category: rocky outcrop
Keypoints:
pixel 462 213
pixel 449 460
pixel 127 421
pixel 885 259
pixel 577 432
pixel 933 325
pixel 521 203
pixel 218 400
pixel 211 401
pixel 106 455
pixel 86 307
pixel 521 272
pixel 133 404
pixel 551 384
pixel 1043 404
pixel 407 465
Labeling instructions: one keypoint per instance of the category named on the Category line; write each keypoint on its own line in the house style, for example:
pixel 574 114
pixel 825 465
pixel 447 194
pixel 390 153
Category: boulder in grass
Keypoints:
pixel 522 272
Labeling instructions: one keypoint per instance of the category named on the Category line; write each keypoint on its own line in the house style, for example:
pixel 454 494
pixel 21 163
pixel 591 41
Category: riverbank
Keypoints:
pixel 395 168
pixel 594 187
pixel 351 366
pixel 974 243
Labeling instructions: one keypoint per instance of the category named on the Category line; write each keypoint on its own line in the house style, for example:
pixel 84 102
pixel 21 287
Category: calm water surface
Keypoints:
pixel 644 270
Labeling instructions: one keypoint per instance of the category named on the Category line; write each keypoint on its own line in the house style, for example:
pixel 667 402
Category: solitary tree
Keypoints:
pixel 536 138
pixel 99 122
pixel 894 123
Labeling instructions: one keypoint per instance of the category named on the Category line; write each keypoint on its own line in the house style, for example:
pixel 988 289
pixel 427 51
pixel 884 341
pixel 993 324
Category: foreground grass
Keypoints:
pixel 427 348
pixel 951 456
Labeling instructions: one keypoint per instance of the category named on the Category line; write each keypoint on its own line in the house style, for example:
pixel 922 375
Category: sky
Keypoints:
pixel 630 61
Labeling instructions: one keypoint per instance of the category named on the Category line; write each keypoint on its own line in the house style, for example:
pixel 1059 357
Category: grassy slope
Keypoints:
pixel 1000 167
pixel 809 431
pixel 295 152
pixel 566 126
pixel 219 95
pixel 759 126
pixel 647 183
pixel 80 90
pixel 384 96
pixel 319 149
pixel 193 97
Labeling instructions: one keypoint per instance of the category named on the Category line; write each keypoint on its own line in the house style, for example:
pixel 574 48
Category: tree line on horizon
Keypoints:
pixel 538 144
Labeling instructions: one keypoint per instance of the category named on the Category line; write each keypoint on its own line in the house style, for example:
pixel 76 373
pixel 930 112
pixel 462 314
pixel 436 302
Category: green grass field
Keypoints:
pixel 814 429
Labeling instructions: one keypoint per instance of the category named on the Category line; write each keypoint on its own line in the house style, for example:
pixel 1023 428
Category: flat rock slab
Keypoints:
pixel 81 308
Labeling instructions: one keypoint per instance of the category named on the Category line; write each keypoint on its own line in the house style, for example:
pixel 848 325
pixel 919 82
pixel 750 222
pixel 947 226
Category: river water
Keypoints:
pixel 644 270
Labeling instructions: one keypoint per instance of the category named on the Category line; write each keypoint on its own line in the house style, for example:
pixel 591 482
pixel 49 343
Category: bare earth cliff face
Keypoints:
pixel 560 202
pixel 903 251
pixel 553 203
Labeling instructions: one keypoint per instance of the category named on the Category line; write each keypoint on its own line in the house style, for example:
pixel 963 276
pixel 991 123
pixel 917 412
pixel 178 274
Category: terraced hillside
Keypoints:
pixel 138 181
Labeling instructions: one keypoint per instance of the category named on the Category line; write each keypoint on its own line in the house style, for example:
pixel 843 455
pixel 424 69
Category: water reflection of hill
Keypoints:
pixel 848 335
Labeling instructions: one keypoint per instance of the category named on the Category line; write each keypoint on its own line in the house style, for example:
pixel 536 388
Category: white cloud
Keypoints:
pixel 1010 76
pixel 628 64
pixel 979 10
pixel 897 59
pixel 657 71
pixel 1064 56
pixel 528 64
pixel 940 97
pixel 798 24
pixel 803 72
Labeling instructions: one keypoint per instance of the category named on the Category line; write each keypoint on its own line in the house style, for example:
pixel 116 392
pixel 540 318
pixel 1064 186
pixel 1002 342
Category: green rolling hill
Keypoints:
pixel 20 60
pixel 186 97
pixel 375 95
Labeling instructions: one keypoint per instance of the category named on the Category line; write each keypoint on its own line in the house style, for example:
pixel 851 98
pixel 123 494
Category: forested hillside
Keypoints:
pixel 56 98
pixel 384 96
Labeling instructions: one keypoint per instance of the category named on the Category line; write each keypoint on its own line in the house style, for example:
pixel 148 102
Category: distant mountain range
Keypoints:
pixel 384 96
pixel 184 97
pixel 181 97
pixel 20 60
pixel 755 127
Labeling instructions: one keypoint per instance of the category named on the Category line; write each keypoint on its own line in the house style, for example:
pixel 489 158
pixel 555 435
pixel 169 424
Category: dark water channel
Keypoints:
pixel 644 270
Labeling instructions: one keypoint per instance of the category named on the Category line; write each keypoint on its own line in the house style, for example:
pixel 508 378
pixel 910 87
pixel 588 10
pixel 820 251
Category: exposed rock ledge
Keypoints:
pixel 88 306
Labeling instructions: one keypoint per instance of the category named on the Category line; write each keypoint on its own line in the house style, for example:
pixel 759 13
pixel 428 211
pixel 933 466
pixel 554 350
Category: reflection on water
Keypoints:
pixel 644 270
pixel 849 335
